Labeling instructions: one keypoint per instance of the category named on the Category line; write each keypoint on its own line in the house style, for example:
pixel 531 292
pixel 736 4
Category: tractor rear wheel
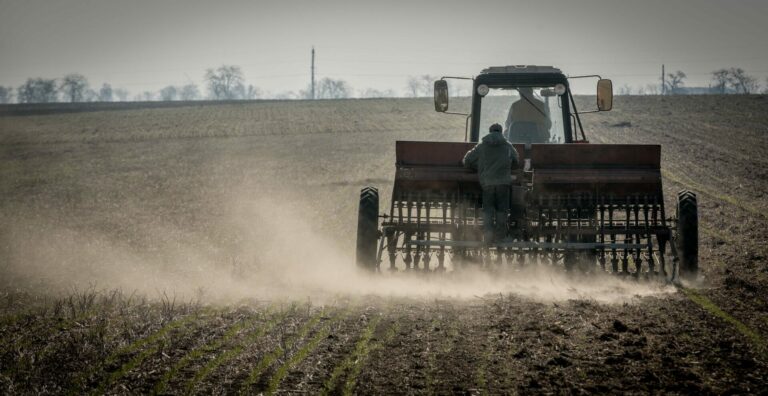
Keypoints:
pixel 688 234
pixel 367 228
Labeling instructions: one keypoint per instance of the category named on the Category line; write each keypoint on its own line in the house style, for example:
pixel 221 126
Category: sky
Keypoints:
pixel 148 44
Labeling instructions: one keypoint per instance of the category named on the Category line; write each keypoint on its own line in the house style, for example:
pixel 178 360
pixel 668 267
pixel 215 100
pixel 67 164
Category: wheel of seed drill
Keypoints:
pixel 367 228
pixel 687 234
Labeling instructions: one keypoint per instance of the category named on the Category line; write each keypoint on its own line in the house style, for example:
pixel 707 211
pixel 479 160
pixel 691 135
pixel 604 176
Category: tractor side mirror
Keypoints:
pixel 441 96
pixel 604 94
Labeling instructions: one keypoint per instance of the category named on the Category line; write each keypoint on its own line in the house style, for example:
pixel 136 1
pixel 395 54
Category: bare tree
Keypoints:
pixel 675 81
pixel 419 86
pixel 189 92
pixel 252 93
pixel 90 95
pixel 238 92
pixel 375 93
pixel 6 94
pixel 741 81
pixel 146 96
pixel 765 91
pixel 414 87
pixel 105 93
pixel 73 86
pixel 225 82
pixel 305 93
pixel 388 93
pixel 625 90
pixel 290 95
pixel 459 88
pixel 169 93
pixel 652 89
pixel 329 88
pixel 121 94
pixel 369 93
pixel 37 90
pixel 427 84
pixel 720 77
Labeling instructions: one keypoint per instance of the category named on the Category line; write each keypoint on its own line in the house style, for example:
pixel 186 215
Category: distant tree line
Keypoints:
pixel 731 80
pixel 227 82
pixel 737 79
pixel 734 80
pixel 71 88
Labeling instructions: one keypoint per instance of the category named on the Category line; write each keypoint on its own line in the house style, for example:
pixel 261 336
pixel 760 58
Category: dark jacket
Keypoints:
pixel 493 158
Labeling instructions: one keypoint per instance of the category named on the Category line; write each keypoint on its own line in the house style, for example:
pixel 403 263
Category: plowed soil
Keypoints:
pixel 184 249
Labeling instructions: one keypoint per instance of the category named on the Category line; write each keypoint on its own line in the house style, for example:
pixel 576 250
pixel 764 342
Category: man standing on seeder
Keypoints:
pixel 493 159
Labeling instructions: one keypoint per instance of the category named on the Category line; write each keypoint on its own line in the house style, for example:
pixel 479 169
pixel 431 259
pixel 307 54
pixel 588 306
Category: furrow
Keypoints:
pixel 297 358
pixel 232 353
pixel 360 352
pixel 279 351
pixel 704 190
pixel 481 374
pixel 711 307
pixel 443 349
pixel 42 330
pixel 432 355
pixel 351 382
pixel 112 359
pixel 198 352
pixel 697 187
pixel 182 325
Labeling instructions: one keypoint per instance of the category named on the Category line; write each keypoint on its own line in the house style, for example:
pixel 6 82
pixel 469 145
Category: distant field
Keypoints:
pixel 207 248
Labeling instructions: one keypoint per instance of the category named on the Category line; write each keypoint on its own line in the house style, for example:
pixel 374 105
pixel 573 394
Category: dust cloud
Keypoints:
pixel 280 256
pixel 298 261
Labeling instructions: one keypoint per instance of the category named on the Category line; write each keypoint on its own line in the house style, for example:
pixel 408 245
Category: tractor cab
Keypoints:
pixel 534 104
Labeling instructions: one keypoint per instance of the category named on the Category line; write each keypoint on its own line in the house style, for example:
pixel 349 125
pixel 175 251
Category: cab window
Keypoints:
pixel 527 114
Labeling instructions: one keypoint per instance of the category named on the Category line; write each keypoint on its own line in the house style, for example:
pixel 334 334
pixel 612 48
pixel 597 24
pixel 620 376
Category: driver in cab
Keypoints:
pixel 527 121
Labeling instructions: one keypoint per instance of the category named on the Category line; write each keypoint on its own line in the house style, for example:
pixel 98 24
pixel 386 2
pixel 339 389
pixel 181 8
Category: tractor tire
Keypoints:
pixel 367 229
pixel 688 234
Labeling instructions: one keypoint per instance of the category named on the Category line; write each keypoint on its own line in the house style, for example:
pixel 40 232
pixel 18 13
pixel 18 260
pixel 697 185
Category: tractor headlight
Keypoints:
pixel 482 90
pixel 559 89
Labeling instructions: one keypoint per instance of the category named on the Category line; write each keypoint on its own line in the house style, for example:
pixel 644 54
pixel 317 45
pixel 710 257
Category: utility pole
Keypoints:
pixel 663 81
pixel 313 72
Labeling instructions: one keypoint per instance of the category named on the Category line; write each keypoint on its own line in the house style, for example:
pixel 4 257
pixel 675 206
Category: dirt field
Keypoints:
pixel 208 249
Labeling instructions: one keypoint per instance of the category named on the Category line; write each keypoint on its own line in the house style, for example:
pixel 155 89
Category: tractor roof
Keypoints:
pixel 521 69
pixel 521 74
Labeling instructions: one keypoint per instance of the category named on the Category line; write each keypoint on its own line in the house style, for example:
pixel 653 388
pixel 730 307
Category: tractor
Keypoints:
pixel 575 205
